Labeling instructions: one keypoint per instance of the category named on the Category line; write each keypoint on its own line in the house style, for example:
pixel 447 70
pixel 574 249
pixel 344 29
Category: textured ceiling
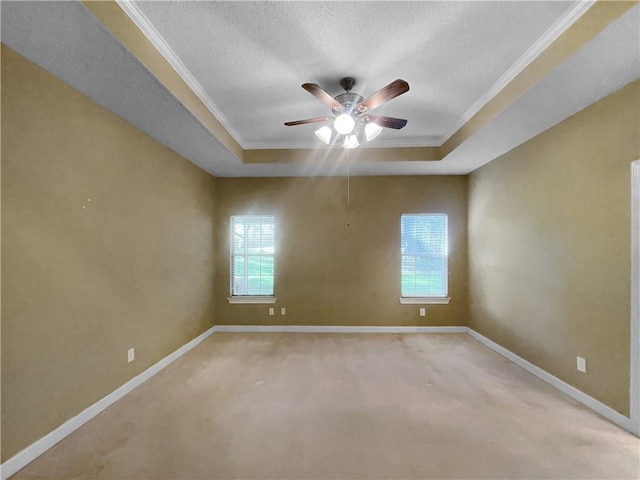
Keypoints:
pixel 252 57
pixel 249 60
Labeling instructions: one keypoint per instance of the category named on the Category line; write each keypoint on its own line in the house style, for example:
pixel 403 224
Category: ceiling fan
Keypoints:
pixel 351 120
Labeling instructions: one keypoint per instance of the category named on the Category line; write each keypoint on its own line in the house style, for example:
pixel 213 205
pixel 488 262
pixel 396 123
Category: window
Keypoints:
pixel 424 247
pixel 252 255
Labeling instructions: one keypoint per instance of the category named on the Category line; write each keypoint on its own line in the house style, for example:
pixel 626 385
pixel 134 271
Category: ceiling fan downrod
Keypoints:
pixel 348 83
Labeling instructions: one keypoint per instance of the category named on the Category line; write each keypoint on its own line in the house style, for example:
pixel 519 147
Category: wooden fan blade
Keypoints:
pixel 394 89
pixel 308 120
pixel 387 122
pixel 324 97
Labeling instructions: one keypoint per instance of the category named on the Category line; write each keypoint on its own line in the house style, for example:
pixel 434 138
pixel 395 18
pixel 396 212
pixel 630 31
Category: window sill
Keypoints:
pixel 425 300
pixel 251 300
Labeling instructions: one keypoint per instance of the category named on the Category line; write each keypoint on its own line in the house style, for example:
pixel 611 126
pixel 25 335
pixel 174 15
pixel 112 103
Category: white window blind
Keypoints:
pixel 252 255
pixel 424 252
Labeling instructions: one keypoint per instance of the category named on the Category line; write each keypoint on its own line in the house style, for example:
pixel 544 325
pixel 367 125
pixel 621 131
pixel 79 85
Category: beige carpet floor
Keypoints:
pixel 352 406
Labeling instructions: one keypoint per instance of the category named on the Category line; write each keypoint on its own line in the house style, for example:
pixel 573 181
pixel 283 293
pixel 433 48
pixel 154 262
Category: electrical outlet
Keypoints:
pixel 271 311
pixel 581 364
pixel 131 355
pixel 283 311
pixel 423 311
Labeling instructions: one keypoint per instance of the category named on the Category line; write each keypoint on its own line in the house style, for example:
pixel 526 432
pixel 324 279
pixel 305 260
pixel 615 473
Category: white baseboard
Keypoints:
pixel 595 405
pixel 333 329
pixel 590 402
pixel 21 459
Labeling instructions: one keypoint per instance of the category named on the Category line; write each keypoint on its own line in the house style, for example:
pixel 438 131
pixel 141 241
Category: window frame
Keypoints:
pixel 249 299
pixel 424 299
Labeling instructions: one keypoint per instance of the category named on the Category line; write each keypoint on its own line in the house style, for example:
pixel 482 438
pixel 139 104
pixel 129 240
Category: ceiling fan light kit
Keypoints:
pixel 372 130
pixel 351 122
pixel 324 134
pixel 351 142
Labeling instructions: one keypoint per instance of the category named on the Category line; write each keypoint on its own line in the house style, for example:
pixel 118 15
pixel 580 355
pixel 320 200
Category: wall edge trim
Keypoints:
pixel 588 401
pixel 33 451
pixel 162 46
pixel 333 329
pixel 562 24
pixel 37 448
pixel 634 352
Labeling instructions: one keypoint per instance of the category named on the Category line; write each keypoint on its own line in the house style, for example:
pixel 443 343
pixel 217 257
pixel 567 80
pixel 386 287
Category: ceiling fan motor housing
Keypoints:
pixel 348 101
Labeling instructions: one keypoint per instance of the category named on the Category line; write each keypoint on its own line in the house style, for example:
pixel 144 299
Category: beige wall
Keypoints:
pixel 83 281
pixel 549 247
pixel 331 274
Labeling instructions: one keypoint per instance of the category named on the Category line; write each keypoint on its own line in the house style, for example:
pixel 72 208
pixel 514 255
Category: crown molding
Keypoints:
pixel 370 154
pixel 429 141
pixel 533 52
pixel 146 27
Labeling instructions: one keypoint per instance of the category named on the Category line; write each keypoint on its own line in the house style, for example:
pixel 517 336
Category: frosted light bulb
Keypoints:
pixel 324 134
pixel 372 130
pixel 344 124
pixel 351 142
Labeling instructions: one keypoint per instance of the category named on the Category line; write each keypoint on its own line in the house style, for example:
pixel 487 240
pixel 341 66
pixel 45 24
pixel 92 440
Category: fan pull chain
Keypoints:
pixel 348 187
